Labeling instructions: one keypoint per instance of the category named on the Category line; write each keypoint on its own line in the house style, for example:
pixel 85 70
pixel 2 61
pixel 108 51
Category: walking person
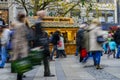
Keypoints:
pixel 54 40
pixel 80 42
pixel 112 46
pixel 61 47
pixel 42 41
pixel 94 46
pixel 19 41
pixel 116 37
pixel 5 38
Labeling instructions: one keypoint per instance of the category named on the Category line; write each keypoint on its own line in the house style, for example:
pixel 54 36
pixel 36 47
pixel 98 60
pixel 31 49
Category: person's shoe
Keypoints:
pixel 98 67
pixel 51 75
pixel 24 76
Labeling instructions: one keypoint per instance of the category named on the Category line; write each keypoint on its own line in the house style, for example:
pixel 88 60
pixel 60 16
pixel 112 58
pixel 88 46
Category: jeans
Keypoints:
pixel 97 57
pixel 88 56
pixel 77 51
pixel 3 56
pixel 54 49
pixel 118 52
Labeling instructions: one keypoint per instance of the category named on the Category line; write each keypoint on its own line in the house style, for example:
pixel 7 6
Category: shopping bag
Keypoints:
pixel 83 53
pixel 21 65
pixel 36 57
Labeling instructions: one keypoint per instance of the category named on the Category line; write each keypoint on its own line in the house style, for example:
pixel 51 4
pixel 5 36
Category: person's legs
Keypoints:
pixel 87 57
pixel 118 52
pixel 46 66
pixel 3 56
pixel 52 54
pixel 98 58
pixel 113 51
pixel 58 53
pixel 19 76
pixel 63 53
pixel 94 58
pixel 77 51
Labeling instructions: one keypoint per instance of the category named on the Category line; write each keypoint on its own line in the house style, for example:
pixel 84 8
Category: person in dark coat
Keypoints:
pixel 117 40
pixel 54 40
pixel 42 41
pixel 80 40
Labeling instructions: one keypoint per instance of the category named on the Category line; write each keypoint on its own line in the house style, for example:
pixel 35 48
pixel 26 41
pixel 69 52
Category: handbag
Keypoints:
pixel 100 39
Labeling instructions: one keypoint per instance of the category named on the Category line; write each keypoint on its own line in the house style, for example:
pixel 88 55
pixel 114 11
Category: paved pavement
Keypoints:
pixel 70 69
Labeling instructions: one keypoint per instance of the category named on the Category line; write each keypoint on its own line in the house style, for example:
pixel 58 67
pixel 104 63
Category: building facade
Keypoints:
pixel 4 11
pixel 105 10
pixel 15 8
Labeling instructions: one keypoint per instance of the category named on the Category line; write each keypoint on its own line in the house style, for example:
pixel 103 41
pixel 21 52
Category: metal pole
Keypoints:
pixel 116 4
pixel 118 10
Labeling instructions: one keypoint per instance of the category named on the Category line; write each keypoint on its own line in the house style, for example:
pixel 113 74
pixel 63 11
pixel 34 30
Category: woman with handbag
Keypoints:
pixel 95 47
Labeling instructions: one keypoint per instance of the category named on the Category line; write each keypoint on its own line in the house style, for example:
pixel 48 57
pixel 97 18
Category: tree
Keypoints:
pixel 24 4
pixel 62 7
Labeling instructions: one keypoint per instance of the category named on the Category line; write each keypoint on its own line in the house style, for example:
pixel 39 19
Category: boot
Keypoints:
pixel 98 67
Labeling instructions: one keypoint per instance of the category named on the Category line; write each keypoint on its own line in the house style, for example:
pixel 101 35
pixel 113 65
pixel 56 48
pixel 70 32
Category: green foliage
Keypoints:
pixel 62 7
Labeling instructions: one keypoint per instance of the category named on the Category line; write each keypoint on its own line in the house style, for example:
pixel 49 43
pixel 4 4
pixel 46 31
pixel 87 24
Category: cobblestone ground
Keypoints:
pixel 101 74
pixel 70 69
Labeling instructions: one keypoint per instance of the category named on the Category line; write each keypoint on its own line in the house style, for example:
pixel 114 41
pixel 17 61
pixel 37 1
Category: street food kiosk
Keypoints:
pixel 66 27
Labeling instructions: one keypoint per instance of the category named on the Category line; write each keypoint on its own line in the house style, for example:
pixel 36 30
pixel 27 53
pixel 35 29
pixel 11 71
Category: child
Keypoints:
pixel 112 47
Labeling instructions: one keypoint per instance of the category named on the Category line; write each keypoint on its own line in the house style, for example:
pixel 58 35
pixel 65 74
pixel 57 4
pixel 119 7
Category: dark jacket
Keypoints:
pixel 116 36
pixel 41 37
pixel 80 38
pixel 55 38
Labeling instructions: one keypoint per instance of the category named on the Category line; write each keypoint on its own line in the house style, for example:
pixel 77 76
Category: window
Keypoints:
pixel 105 1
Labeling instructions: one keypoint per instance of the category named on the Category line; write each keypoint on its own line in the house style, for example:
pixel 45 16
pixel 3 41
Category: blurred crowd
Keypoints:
pixel 92 40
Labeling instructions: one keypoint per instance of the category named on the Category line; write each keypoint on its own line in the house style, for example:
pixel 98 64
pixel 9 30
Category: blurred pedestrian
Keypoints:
pixel 61 48
pixel 94 46
pixel 54 40
pixel 5 37
pixel 20 44
pixel 112 46
pixel 80 42
pixel 117 40
pixel 42 41
pixel 19 41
